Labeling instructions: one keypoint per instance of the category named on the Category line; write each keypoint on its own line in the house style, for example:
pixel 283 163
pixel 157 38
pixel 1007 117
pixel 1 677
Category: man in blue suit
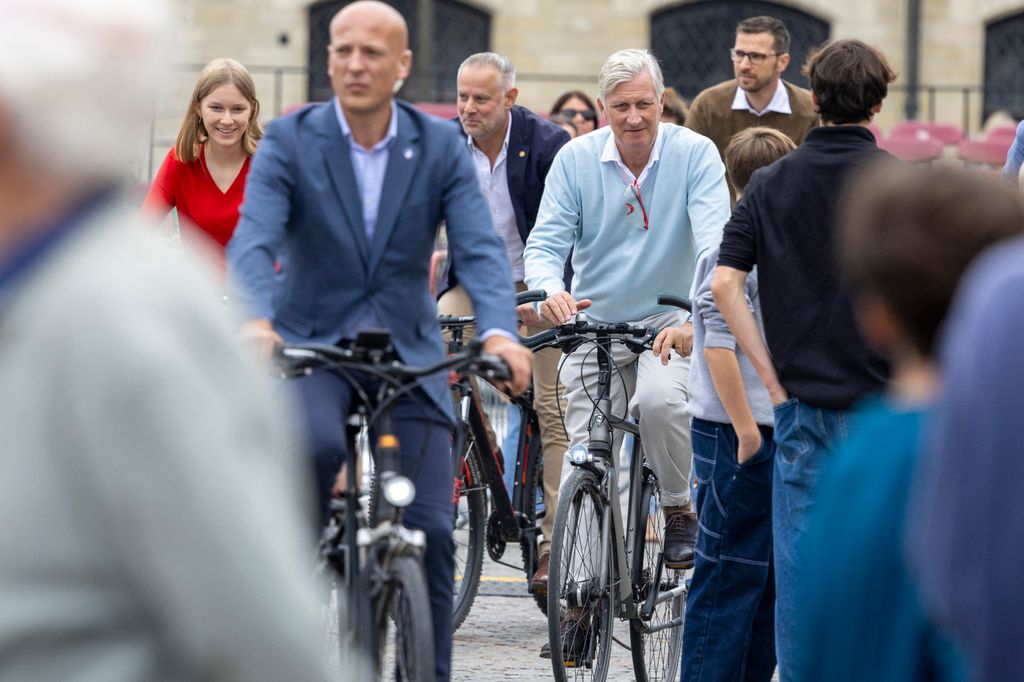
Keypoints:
pixel 512 149
pixel 348 195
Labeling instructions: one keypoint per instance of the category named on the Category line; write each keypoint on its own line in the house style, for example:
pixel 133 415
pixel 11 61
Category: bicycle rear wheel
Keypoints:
pixel 580 602
pixel 470 501
pixel 655 643
pixel 404 637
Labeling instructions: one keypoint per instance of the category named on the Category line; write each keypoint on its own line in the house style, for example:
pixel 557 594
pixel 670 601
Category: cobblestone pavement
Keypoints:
pixel 503 634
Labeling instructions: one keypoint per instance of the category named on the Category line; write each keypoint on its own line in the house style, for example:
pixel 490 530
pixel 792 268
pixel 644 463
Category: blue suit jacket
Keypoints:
pixel 302 208
pixel 532 144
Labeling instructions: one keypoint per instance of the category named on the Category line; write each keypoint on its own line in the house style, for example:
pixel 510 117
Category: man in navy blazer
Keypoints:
pixel 348 195
pixel 512 150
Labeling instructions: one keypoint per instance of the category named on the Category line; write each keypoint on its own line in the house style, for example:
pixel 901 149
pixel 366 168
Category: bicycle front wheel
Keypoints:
pixel 580 582
pixel 404 635
pixel 470 501
pixel 656 642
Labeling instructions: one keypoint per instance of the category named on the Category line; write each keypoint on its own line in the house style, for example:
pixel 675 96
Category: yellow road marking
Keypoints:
pixel 497 579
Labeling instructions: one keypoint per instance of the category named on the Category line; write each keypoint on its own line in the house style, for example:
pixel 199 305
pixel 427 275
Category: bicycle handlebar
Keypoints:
pixel 299 359
pixel 569 336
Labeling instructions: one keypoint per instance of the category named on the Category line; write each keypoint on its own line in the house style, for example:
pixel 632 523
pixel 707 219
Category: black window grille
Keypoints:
pixel 692 40
pixel 1004 66
pixel 455 31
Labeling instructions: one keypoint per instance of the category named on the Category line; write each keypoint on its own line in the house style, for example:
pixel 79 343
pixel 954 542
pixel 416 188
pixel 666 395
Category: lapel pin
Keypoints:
pixel 407 153
pixel 522 153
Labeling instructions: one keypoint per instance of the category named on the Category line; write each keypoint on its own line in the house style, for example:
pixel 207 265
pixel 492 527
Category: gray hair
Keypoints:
pixel 624 66
pixel 78 79
pixel 506 71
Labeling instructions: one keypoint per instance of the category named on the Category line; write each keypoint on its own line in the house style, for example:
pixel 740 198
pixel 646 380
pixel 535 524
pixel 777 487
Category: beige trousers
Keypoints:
pixel 546 398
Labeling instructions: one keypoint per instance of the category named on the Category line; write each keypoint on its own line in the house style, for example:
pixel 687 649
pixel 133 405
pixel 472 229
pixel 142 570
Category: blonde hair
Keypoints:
pixel 193 133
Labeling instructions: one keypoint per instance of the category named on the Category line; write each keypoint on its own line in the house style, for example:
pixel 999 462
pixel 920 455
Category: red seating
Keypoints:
pixel 913 149
pixel 445 110
pixel 946 133
pixel 1002 132
pixel 987 152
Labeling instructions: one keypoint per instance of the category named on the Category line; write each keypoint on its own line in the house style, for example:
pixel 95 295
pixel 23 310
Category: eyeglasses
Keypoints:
pixel 756 58
pixel 587 114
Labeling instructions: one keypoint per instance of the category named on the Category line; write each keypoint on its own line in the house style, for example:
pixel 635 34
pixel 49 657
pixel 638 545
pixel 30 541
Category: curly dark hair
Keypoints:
pixel 848 78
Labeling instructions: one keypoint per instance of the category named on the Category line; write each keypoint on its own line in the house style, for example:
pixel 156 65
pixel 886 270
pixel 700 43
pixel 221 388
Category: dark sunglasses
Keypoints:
pixel 587 114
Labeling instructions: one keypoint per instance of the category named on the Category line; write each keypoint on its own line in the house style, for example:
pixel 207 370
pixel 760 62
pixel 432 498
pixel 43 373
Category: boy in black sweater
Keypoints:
pixel 819 365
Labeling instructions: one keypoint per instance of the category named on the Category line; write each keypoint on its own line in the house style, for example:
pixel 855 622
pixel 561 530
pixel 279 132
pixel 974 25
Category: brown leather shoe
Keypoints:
pixel 539 581
pixel 680 536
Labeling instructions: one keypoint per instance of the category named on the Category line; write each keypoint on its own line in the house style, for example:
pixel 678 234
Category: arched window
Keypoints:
pixel 692 40
pixel 1004 66
pixel 441 34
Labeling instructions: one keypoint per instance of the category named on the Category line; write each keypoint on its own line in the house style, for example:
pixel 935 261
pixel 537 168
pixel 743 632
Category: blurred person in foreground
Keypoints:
pixel 907 236
pixel 966 513
pixel 819 365
pixel 576 106
pixel 729 627
pixel 151 532
pixel 204 173
pixel 353 191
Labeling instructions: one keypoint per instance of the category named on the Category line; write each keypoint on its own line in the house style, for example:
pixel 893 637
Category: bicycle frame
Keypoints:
pixel 600 460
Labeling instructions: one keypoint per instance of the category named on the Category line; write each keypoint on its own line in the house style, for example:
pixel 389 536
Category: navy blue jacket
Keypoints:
pixel 302 207
pixel 532 145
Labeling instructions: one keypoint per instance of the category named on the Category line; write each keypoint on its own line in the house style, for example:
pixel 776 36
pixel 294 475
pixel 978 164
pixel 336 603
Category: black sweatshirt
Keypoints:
pixel 785 225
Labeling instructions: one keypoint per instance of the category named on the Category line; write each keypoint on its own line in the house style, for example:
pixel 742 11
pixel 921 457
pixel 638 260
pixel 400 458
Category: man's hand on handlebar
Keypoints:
pixel 518 358
pixel 559 308
pixel 259 335
pixel 680 338
pixel 527 314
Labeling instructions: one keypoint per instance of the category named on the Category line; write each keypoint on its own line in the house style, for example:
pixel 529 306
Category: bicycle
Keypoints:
pixel 485 514
pixel 369 557
pixel 600 569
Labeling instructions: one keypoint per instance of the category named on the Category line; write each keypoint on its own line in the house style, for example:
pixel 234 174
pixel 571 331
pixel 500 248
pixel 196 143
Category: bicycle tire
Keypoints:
pixel 403 630
pixel 469 535
pixel 574 588
pixel 656 655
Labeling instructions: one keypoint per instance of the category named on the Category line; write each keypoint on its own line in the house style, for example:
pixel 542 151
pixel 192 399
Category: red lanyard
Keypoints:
pixel 643 209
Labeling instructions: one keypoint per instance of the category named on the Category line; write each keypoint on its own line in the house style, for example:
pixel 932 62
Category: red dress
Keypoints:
pixel 190 188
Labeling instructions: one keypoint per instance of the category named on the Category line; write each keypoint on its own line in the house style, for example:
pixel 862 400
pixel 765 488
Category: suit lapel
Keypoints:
pixel 403 159
pixel 338 158
pixel 515 167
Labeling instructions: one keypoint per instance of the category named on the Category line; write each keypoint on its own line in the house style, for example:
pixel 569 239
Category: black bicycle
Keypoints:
pixel 486 515
pixel 602 566
pixel 378 606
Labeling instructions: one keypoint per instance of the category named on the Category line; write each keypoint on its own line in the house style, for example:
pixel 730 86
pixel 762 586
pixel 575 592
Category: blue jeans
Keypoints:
pixel 804 438
pixel 729 631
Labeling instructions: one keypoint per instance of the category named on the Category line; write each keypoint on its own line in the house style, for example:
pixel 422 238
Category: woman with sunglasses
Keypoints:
pixel 204 173
pixel 577 107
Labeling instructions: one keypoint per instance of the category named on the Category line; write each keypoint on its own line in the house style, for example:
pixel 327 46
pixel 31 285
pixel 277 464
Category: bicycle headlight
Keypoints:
pixel 580 454
pixel 399 491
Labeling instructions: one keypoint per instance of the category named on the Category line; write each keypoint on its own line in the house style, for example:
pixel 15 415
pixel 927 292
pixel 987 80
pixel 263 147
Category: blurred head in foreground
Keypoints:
pixel 906 237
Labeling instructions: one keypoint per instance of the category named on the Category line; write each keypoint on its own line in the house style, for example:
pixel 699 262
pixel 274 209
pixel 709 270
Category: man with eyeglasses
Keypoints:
pixel 636 203
pixel 757 96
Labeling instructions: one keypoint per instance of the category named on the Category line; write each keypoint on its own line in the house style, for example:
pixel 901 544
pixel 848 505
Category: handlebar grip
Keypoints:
pixel 540 338
pixel 492 368
pixel 531 296
pixel 677 301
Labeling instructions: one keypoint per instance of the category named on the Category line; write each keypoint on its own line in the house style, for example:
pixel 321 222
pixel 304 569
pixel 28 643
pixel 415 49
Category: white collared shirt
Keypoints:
pixel 610 154
pixel 779 103
pixel 494 186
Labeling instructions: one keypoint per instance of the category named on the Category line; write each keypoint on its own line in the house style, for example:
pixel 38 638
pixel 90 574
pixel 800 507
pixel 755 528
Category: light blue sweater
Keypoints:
pixel 616 263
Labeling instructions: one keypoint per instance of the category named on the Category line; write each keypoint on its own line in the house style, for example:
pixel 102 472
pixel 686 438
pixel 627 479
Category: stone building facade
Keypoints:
pixel 560 44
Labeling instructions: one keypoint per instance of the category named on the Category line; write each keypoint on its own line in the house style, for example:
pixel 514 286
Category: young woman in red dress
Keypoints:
pixel 203 175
